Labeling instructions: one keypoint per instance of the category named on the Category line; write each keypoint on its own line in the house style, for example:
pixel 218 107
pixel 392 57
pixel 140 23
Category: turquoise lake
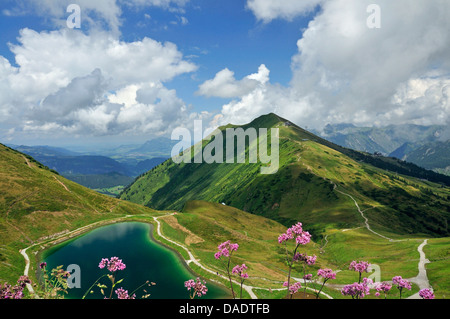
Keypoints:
pixel 145 259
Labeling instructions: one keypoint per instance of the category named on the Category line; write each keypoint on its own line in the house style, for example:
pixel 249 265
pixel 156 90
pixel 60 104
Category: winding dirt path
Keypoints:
pixel 27 161
pixel 421 279
pixel 63 185
pixel 192 259
pixel 366 221
pixel 23 252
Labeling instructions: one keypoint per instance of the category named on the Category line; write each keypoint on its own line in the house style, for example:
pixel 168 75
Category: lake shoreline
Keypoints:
pixel 50 247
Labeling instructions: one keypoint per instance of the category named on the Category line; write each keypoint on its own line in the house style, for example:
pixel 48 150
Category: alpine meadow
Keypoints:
pixel 225 158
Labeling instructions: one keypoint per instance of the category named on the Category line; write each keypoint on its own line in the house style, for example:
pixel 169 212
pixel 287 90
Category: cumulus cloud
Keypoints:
pixel 268 10
pixel 225 85
pixel 81 93
pixel 356 70
pixel 418 96
pixel 97 15
pixel 74 82
pixel 63 54
pixel 345 71
pixel 85 107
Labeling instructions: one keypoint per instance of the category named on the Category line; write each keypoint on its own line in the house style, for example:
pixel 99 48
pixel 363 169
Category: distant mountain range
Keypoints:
pixel 109 168
pixel 157 147
pixel 426 146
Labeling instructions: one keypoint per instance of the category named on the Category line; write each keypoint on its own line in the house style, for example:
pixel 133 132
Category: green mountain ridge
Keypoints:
pixel 304 186
pixel 36 203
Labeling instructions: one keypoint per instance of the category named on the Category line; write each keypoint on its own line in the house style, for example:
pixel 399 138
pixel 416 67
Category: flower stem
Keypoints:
pixel 86 293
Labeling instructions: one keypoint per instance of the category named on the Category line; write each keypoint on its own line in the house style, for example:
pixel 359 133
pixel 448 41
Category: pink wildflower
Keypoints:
pixel 360 267
pixel 240 271
pixel 307 277
pixel 309 260
pixel 426 294
pixel 295 232
pixel 14 292
pixel 226 249
pixel 294 287
pixel 401 283
pixel 114 264
pixel 382 287
pixel 326 274
pixel 198 287
pixel 357 290
pixel 123 294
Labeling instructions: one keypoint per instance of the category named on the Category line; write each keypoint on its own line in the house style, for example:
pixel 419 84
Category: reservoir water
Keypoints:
pixel 145 259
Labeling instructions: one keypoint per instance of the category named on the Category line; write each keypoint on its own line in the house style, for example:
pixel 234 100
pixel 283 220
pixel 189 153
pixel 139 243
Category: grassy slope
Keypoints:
pixel 35 203
pixel 303 188
pixel 259 249
pixel 438 270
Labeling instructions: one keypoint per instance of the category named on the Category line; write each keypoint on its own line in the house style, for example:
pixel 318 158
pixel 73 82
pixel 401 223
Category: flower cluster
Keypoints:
pixel 198 287
pixel 307 277
pixel 293 288
pixel 226 249
pixel 357 290
pixel 326 274
pixel 401 283
pixel 382 287
pixel 240 271
pixel 309 260
pixel 360 267
pixel 114 264
pixel 295 231
pixel 426 294
pixel 123 294
pixel 14 292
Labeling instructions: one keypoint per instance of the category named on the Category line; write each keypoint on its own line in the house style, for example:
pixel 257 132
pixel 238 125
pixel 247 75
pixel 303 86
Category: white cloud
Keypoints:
pixel 64 54
pixel 7 97
pixel 347 72
pixel 420 96
pixel 268 10
pixel 353 68
pixel 76 83
pixel 81 93
pixel 225 85
pixel 95 14
pixel 156 3
pixel 184 20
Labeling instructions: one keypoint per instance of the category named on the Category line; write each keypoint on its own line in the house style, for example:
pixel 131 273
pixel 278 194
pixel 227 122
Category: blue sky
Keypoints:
pixel 139 68
pixel 218 35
